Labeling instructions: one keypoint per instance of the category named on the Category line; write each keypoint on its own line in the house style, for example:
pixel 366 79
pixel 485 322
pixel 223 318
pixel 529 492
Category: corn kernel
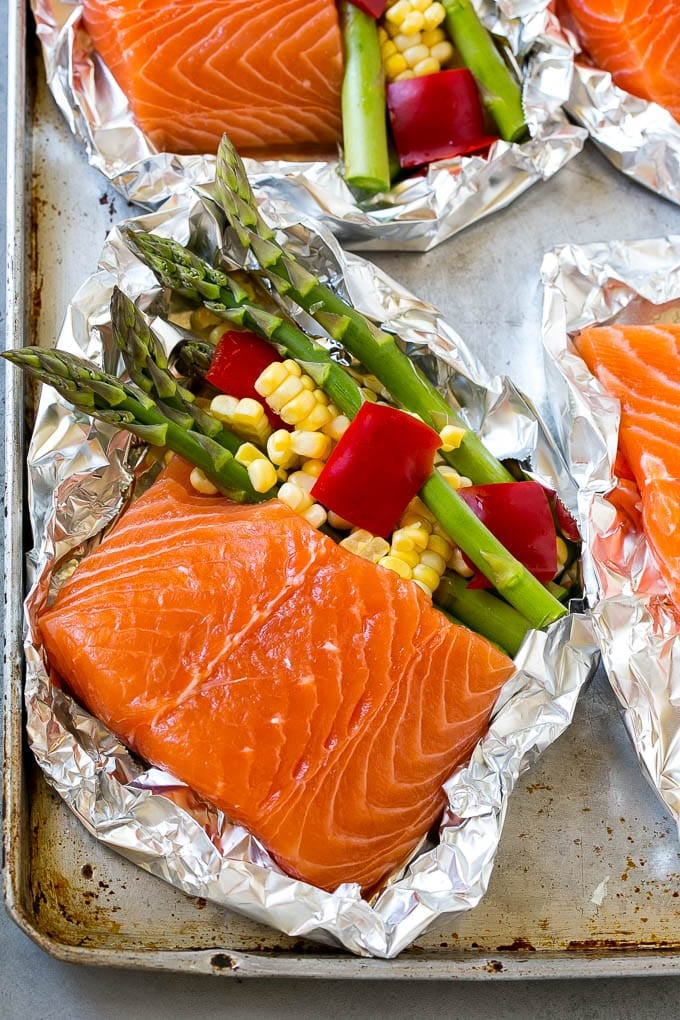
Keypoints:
pixel 388 49
pixel 311 445
pixel 223 407
pixel 382 35
pixel 302 480
pixel 297 409
pixel 202 484
pixel 262 474
pixel 413 23
pixel 423 587
pixel 432 37
pixel 279 449
pixel 402 541
pixel 412 558
pixel 423 513
pixel 450 476
pixel 411 518
pixel 316 515
pixel 369 395
pixel 395 64
pixel 414 54
pixel 403 42
pixel 451 436
pixel 270 378
pixel 363 543
pixel 457 563
pixel 247 453
pixel 419 534
pixel 315 420
pixel 440 546
pixel 434 15
pixel 397 12
pixel 289 388
pixel 313 467
pixel 248 412
pixel 398 566
pixel 442 51
pixel 292 367
pixel 428 558
pixel 427 66
pixel 420 5
pixel 294 497
pixel 562 553
pixel 337 427
pixel 336 521
pixel 427 575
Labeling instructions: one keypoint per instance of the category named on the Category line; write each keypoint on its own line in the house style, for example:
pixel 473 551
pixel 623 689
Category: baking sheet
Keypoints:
pixel 589 863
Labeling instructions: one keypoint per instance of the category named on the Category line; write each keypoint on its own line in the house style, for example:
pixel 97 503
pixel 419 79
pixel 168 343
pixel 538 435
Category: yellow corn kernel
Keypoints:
pixel 223 406
pixel 292 367
pixel 302 480
pixel 451 476
pixel 295 497
pixel 427 66
pixel 312 467
pixel 279 449
pixel 412 558
pixel 338 522
pixel 363 543
pixel 402 541
pixel 451 436
pixel 404 42
pixel 428 558
pixel 311 445
pixel 440 546
pixel 316 515
pixel 411 518
pixel 416 506
pixel 248 412
pixel 397 12
pixel 307 382
pixel 414 54
pixel 247 454
pixel 434 15
pixel 281 474
pixel 413 23
pixel 442 51
pixel 388 49
pixel 418 532
pixel 315 420
pixel 262 474
pixel 289 388
pixel 202 484
pixel 427 575
pixel 397 565
pixel 297 409
pixel 457 563
pixel 423 587
pixel 270 378
pixel 394 65
pixel 405 75
pixel 420 5
pixel 562 553
pixel 321 397
pixel 432 36
pixel 383 37
pixel 336 427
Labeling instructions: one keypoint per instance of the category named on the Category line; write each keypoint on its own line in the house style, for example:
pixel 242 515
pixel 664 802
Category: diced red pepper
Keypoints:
pixel 519 515
pixel 239 358
pixel 566 524
pixel 374 8
pixel 378 466
pixel 436 116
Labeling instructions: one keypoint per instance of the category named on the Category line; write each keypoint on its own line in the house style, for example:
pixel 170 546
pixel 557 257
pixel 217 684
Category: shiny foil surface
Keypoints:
pixel 81 476
pixel 637 629
pixel 416 214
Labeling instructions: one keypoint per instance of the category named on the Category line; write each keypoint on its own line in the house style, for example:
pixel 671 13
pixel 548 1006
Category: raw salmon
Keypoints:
pixel 640 366
pixel 316 698
pixel 637 41
pixel 269 74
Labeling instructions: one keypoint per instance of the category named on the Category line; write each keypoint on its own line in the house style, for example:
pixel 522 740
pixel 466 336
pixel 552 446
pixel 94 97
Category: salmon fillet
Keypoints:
pixel 637 41
pixel 640 366
pixel 269 74
pixel 316 698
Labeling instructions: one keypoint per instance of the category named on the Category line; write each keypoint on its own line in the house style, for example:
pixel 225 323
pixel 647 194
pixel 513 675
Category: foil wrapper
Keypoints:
pixel 641 139
pixel 637 628
pixel 417 214
pixel 81 475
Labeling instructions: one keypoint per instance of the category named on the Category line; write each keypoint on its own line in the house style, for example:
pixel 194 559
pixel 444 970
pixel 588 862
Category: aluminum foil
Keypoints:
pixel 641 139
pixel 82 474
pixel 415 215
pixel 637 629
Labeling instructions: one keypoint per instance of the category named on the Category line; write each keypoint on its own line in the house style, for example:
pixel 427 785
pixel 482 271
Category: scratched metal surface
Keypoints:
pixel 588 876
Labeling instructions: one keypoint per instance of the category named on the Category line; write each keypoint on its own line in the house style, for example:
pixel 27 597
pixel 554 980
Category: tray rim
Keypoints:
pixel 219 960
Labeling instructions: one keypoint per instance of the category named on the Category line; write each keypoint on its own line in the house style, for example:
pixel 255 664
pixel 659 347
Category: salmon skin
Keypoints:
pixel 269 74
pixel 316 698
pixel 640 366
pixel 637 41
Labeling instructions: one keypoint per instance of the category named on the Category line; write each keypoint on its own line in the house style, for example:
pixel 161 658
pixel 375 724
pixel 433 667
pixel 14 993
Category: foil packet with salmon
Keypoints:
pixel 612 336
pixel 278 831
pixel 153 131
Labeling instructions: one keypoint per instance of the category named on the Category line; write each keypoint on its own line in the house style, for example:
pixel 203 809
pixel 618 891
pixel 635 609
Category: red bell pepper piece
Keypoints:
pixel 436 116
pixel 378 466
pixel 519 515
pixel 239 358
pixel 374 8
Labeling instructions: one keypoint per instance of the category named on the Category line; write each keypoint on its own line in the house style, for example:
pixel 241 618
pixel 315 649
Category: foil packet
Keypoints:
pixel 637 629
pixel 82 474
pixel 640 138
pixel 417 214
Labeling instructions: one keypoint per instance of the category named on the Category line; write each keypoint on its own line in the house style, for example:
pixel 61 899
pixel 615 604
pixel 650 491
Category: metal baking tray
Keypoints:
pixel 587 880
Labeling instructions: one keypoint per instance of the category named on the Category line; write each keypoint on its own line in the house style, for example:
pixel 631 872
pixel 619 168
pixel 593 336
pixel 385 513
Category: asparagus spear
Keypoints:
pixel 364 126
pixel 482 612
pixel 127 406
pixel 373 347
pixel 501 94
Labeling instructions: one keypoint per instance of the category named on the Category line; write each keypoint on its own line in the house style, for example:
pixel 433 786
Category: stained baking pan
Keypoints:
pixel 588 876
